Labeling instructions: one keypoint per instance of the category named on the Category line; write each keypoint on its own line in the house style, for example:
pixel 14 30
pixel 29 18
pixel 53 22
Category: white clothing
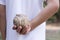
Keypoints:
pixel 30 8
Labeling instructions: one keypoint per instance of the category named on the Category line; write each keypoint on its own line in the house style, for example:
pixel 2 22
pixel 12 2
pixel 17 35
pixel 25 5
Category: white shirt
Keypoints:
pixel 30 8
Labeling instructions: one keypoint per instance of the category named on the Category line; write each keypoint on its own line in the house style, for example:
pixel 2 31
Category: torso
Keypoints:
pixel 29 8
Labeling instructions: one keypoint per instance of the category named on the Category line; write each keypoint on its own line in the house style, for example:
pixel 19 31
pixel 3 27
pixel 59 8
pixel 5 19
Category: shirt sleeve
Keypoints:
pixel 2 2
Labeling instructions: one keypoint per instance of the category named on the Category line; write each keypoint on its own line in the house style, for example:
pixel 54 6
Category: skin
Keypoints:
pixel 51 8
pixel 45 14
pixel 2 21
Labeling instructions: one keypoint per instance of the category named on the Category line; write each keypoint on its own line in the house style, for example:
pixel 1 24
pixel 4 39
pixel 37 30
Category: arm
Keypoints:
pixel 2 21
pixel 46 13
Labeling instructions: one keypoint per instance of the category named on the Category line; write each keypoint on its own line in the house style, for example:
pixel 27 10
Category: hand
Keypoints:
pixel 23 30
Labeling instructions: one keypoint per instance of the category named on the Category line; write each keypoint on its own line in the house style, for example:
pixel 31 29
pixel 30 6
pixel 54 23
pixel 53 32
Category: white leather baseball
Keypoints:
pixel 20 20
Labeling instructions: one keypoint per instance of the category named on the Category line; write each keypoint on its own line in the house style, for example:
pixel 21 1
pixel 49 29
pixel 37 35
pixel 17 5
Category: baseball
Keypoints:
pixel 20 20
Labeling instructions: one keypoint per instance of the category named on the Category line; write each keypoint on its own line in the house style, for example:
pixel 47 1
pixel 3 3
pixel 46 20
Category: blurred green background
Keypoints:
pixel 53 26
pixel 56 17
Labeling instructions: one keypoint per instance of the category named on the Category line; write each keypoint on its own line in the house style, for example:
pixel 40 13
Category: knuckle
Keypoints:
pixel 20 27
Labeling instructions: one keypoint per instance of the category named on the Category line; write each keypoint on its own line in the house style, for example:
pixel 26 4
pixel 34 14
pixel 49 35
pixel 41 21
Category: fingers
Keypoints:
pixel 24 30
pixel 19 29
pixel 14 27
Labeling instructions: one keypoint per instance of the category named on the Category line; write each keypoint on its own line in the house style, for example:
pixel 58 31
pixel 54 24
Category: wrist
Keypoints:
pixel 32 25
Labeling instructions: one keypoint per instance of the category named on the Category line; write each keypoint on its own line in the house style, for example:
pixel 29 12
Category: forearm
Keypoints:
pixel 2 21
pixel 45 14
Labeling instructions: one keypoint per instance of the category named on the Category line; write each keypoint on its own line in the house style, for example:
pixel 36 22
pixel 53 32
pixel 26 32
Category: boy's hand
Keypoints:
pixel 23 30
